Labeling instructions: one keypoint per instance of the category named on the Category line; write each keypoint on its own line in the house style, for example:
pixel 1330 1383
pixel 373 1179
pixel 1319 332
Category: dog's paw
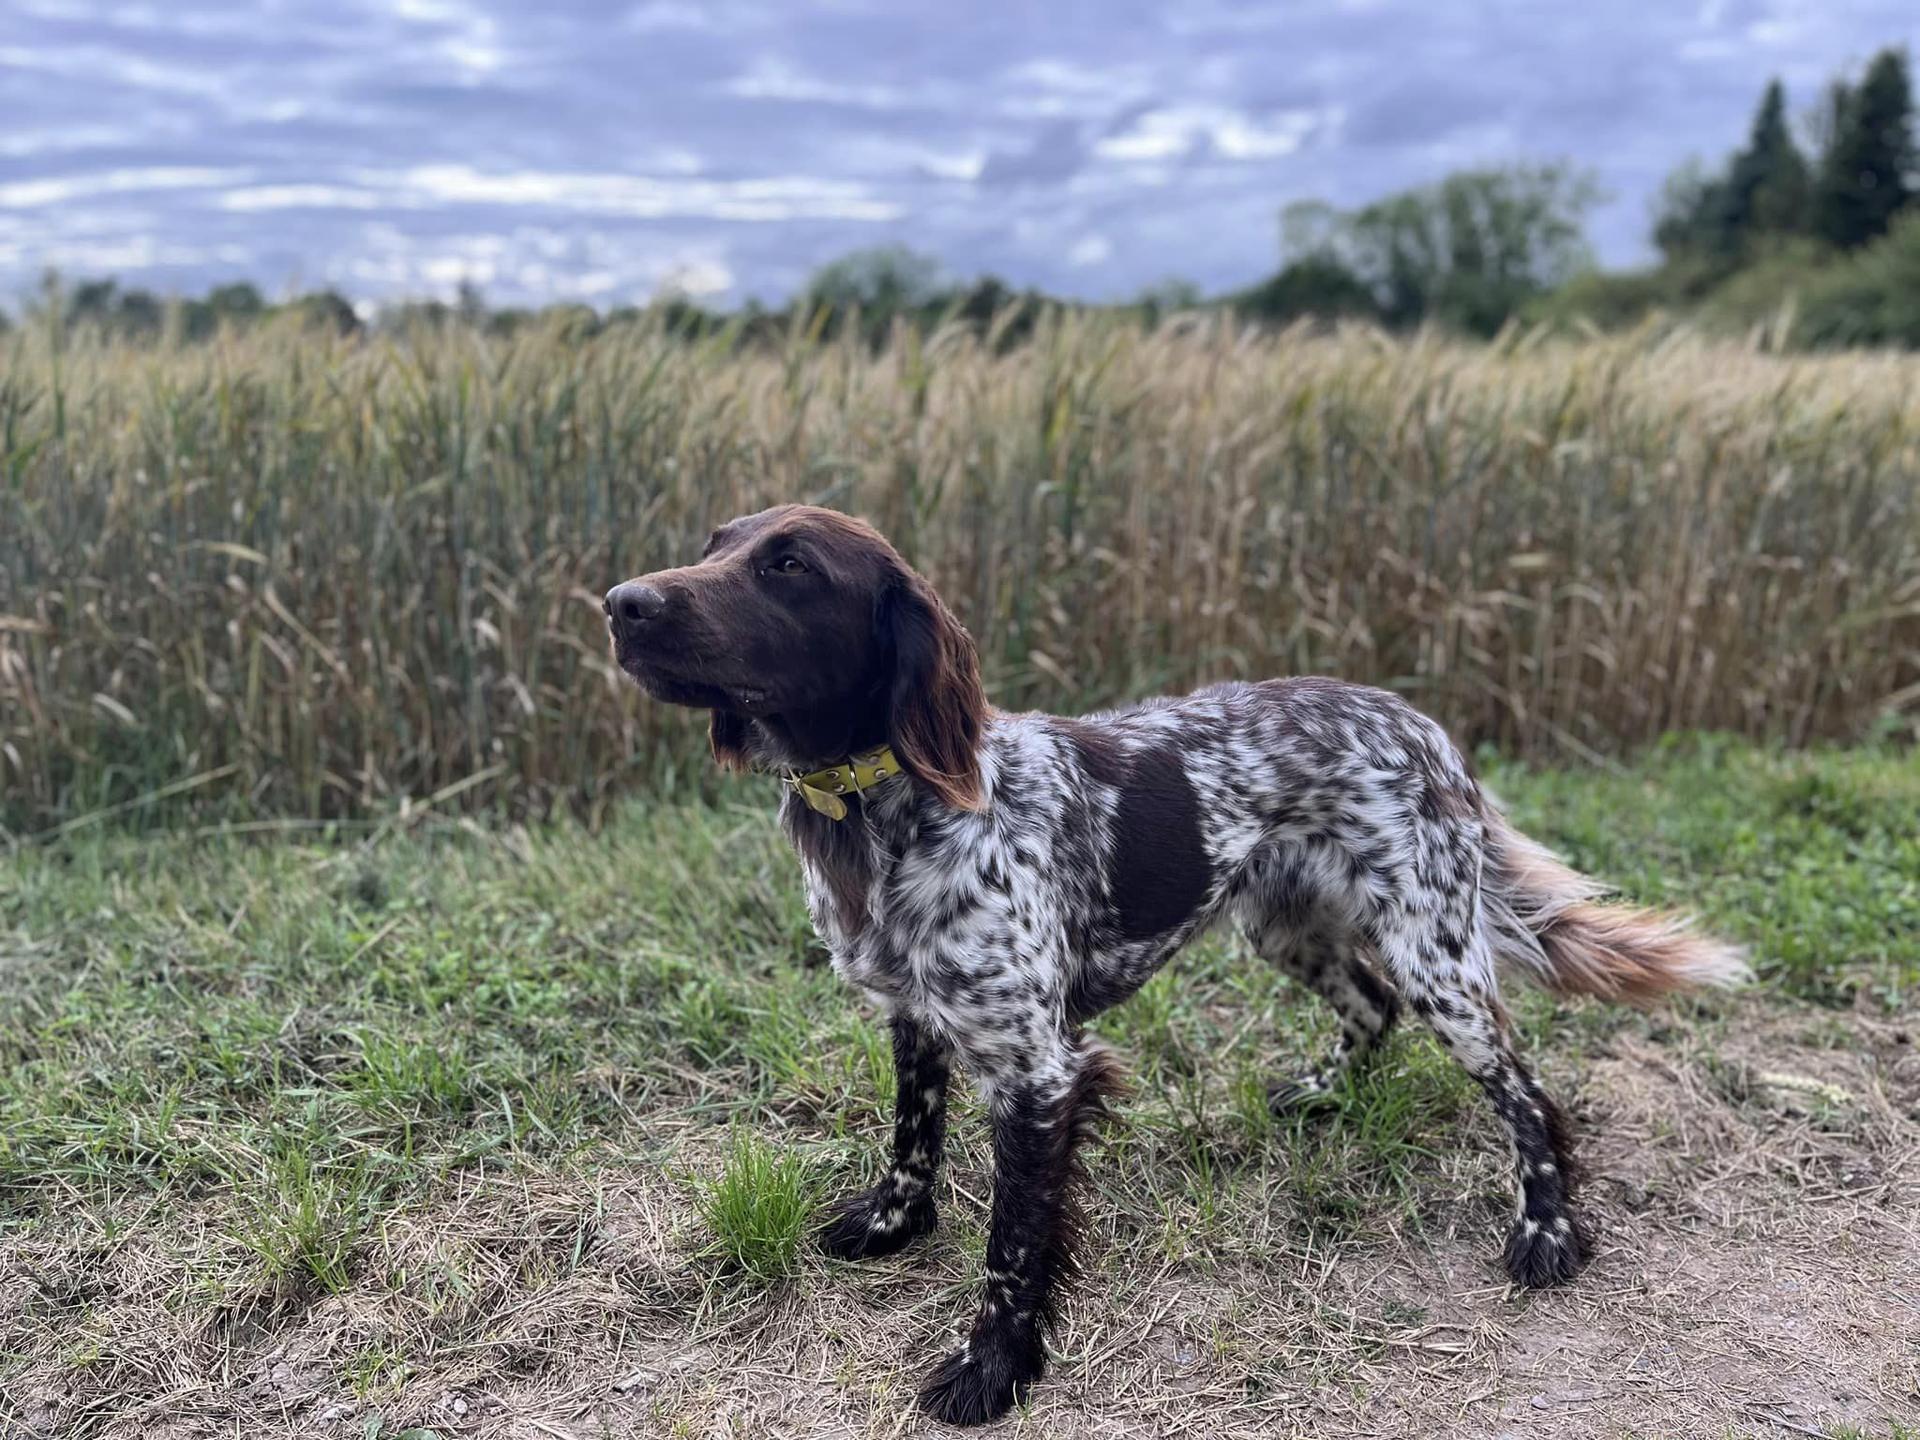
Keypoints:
pixel 982 1381
pixel 873 1223
pixel 1310 1094
pixel 1543 1253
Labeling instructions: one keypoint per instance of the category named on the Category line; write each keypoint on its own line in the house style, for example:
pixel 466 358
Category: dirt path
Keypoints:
pixel 1758 1273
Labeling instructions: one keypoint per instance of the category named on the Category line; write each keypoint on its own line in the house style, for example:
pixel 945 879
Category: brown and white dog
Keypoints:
pixel 992 880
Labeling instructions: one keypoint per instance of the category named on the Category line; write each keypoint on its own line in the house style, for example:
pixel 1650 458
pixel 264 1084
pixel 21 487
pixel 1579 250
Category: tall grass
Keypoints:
pixel 313 575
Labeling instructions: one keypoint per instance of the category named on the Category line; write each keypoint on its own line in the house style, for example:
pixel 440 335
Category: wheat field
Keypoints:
pixel 289 573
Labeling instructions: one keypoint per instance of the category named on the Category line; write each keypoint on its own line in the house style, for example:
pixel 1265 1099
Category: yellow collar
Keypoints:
pixel 822 790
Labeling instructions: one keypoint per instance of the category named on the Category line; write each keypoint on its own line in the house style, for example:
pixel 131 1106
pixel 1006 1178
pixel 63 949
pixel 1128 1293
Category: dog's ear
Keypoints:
pixel 938 707
pixel 727 733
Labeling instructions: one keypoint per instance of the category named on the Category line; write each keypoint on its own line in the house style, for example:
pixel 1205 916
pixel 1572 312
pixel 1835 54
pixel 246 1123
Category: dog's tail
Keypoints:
pixel 1548 919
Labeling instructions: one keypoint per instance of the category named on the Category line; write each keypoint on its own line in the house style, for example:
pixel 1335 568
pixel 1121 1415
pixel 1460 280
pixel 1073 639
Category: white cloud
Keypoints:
pixel 445 272
pixel 1071 77
pixel 885 157
pixel 697 278
pixel 1177 129
pixel 740 144
pixel 1090 250
pixel 473 46
pixel 954 167
pixel 67 139
pixel 425 187
pixel 127 253
pixel 177 18
pixel 476 54
pixel 771 78
pixel 433 12
pixel 98 65
pixel 1155 136
pixel 59 189
pixel 1052 89
pixel 1779 32
pixel 767 199
pixel 1239 138
pixel 535 262
pixel 300 197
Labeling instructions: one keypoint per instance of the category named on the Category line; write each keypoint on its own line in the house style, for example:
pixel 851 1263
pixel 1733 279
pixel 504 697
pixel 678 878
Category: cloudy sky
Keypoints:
pixel 602 149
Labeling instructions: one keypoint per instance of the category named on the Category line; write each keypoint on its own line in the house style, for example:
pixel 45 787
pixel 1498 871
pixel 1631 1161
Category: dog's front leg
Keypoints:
pixel 1038 1122
pixel 880 1220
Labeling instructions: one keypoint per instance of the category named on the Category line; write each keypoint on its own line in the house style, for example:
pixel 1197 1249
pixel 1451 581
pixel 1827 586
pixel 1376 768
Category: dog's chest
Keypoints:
pixel 937 907
pixel 868 929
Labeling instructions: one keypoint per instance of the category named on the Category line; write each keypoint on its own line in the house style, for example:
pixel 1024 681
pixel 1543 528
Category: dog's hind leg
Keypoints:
pixel 880 1220
pixel 1437 952
pixel 1327 960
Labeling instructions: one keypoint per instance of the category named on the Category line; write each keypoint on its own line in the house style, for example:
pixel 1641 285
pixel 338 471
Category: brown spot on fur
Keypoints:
pixel 1099 753
pixel 1159 874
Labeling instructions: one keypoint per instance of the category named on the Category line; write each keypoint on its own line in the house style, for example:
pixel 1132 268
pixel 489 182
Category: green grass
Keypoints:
pixel 285 1057
pixel 326 1027
pixel 305 1218
pixel 758 1207
pixel 1813 860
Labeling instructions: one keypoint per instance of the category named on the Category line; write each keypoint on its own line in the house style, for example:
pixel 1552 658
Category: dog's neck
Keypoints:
pixel 824 735
pixel 842 852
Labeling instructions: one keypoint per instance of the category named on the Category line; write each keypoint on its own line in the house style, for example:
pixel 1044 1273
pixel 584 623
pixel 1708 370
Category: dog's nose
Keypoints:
pixel 631 605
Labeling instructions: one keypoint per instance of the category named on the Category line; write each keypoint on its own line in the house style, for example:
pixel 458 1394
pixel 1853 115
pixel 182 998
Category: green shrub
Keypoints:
pixel 1871 298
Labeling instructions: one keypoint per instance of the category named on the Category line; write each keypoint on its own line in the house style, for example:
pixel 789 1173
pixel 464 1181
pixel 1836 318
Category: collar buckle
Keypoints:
pixel 823 791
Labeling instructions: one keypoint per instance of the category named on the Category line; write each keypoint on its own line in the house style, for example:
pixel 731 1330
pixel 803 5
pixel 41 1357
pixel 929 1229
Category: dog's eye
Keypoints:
pixel 787 565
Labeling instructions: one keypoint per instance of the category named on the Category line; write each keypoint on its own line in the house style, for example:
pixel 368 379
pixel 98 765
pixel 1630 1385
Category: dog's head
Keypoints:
pixel 806 625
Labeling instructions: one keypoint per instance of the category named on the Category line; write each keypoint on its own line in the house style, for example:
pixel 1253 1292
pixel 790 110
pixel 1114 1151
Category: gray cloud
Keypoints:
pixel 603 148
pixel 1055 152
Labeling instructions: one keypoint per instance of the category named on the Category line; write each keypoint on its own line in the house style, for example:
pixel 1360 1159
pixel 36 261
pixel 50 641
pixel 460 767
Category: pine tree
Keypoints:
pixel 1764 190
pixel 1767 186
pixel 1868 171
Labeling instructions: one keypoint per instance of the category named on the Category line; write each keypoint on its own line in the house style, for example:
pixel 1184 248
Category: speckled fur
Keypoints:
pixel 1338 827
pixel 1335 824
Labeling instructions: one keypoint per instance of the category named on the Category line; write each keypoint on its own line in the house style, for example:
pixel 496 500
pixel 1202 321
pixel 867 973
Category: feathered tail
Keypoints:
pixel 1548 919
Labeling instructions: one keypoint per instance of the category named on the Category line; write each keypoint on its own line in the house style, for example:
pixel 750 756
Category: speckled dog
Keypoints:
pixel 992 880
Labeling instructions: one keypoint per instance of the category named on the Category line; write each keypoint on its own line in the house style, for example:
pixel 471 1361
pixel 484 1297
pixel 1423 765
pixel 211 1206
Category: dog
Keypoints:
pixel 992 880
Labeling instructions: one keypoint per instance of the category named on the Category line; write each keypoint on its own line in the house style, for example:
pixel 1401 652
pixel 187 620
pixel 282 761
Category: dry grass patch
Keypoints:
pixel 293 574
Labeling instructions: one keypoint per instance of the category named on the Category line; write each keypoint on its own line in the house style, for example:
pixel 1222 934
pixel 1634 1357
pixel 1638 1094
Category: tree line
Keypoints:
pixel 1832 221
pixel 1836 224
